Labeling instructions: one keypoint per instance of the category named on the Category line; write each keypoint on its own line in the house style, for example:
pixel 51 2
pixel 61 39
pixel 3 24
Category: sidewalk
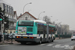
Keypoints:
pixel 9 42
pixel 15 42
pixel 57 38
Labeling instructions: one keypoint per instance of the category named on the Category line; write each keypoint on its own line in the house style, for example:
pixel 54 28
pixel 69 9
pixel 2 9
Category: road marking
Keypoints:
pixel 49 44
pixel 57 46
pixel 42 44
pixel 69 47
pixel 65 46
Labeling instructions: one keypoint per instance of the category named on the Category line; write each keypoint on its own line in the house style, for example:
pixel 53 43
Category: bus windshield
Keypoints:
pixel 25 23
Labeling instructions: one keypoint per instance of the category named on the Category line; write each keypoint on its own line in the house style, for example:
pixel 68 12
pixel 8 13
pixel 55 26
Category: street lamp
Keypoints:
pixel 25 5
pixel 40 13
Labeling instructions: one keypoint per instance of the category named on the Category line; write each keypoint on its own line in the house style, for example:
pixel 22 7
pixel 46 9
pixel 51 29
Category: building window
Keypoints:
pixel 10 10
pixel 25 18
pixel 9 16
pixel 14 31
pixel 4 6
pixel 7 8
pixel 10 32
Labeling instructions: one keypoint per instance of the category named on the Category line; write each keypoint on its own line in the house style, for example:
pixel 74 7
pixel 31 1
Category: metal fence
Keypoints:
pixel 0 38
pixel 64 35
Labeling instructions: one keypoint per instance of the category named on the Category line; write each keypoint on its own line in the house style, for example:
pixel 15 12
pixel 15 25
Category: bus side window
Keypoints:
pixel 50 28
pixel 38 32
pixel 45 29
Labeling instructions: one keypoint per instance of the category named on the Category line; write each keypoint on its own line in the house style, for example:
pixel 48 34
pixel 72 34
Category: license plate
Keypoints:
pixel 24 37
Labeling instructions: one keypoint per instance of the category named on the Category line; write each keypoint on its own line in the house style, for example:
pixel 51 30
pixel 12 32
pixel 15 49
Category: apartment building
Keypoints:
pixel 11 14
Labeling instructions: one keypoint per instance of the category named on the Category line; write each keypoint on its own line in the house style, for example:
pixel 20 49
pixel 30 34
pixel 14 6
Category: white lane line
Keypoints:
pixel 57 46
pixel 61 46
pixel 66 46
pixel 69 47
pixel 49 44
pixel 42 44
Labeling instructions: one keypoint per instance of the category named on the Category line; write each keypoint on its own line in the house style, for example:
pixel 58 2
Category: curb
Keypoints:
pixel 61 38
pixel 8 42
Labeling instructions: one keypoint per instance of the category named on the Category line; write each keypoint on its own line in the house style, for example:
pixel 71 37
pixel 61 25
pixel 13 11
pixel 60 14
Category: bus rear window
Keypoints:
pixel 25 23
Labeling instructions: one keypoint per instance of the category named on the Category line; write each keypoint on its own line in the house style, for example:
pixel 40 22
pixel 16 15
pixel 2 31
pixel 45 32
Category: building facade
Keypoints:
pixel 9 12
pixel 65 28
pixel 26 16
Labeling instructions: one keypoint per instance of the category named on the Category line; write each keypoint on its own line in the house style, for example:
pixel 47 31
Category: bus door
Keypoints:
pixel 44 31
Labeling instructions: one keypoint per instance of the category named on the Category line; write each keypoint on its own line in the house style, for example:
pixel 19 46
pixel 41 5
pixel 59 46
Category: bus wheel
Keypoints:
pixel 52 40
pixel 23 42
pixel 49 40
pixel 40 42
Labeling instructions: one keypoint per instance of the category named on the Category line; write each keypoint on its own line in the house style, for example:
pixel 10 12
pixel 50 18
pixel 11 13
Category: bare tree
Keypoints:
pixel 46 19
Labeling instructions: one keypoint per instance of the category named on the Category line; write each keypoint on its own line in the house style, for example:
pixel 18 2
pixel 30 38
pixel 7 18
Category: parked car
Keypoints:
pixel 12 35
pixel 73 37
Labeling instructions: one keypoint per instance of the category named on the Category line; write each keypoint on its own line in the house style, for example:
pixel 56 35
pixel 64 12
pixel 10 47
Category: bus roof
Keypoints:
pixel 39 21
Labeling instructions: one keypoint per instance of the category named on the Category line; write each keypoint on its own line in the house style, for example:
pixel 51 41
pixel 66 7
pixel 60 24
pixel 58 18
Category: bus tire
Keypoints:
pixel 23 43
pixel 71 39
pixel 49 40
pixel 40 40
pixel 52 40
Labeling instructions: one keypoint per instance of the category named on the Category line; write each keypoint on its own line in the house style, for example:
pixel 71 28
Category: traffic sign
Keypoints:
pixel 0 19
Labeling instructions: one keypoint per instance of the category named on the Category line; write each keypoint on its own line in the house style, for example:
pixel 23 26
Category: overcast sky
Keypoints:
pixel 63 10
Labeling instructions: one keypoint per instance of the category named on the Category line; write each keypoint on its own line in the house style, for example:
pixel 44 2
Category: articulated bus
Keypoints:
pixel 34 31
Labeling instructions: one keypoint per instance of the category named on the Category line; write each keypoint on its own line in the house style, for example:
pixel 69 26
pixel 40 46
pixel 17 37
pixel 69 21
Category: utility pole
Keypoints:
pixel 2 26
pixel 47 22
pixel 47 31
pixel 2 29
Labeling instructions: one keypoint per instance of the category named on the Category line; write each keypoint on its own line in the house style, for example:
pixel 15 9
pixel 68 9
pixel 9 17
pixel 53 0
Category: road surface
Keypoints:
pixel 62 44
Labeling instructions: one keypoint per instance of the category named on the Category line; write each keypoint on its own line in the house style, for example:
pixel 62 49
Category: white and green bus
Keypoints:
pixel 33 31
